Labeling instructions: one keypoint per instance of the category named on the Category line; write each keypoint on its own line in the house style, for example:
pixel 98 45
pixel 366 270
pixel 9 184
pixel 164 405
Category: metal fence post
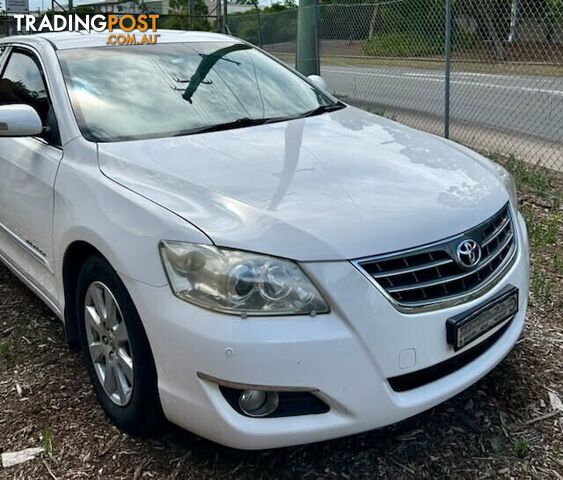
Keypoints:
pixel 448 67
pixel 191 13
pixel 218 16
pixel 260 38
pixel 307 60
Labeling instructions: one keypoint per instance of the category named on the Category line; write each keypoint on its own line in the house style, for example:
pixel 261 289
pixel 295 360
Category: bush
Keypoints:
pixel 402 44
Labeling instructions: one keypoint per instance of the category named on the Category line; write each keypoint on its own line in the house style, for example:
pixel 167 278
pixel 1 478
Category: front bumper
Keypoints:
pixel 347 356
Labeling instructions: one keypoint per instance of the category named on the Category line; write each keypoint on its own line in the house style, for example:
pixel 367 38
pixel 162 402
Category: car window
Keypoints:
pixel 177 89
pixel 23 82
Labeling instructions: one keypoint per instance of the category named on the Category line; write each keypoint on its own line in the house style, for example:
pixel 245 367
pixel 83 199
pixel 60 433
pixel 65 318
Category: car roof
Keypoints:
pixel 68 40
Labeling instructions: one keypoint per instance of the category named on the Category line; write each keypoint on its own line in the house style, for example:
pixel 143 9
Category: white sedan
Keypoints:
pixel 237 251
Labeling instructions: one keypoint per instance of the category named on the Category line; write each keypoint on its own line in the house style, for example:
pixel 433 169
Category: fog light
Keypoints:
pixel 257 403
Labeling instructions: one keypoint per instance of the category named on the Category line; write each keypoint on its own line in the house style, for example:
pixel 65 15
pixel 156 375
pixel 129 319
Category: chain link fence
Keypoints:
pixel 7 25
pixel 506 80
pixel 175 21
pixel 388 56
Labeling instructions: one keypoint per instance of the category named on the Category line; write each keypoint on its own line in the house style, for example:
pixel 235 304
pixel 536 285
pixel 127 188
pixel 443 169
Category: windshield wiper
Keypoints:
pixel 239 123
pixel 322 109
pixel 252 122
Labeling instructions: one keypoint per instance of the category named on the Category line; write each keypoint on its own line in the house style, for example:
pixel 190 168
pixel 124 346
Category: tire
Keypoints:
pixel 135 407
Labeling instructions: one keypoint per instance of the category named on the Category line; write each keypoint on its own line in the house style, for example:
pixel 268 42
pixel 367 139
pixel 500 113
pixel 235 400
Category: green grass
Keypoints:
pixel 520 448
pixel 4 349
pixel 544 232
pixel 47 441
pixel 382 113
pixel 436 64
pixel 541 286
pixel 540 193
pixel 532 178
pixel 402 44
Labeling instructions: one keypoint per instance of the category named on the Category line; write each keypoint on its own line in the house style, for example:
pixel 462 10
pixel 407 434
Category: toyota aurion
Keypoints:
pixel 239 252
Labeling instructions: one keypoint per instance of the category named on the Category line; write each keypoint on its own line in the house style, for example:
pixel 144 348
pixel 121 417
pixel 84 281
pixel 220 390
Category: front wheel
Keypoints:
pixel 116 350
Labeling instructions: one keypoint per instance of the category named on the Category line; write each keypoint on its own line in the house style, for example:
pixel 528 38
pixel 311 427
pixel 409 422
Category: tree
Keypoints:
pixel 257 8
pixel 186 14
pixel 268 25
pixel 492 18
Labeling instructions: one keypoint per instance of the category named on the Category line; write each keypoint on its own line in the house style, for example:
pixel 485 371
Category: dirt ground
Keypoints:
pixel 506 426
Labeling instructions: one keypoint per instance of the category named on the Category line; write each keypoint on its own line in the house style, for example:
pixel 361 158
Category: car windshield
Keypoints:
pixel 138 92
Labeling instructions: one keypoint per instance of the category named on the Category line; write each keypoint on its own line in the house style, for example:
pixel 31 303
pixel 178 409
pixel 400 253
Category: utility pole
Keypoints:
pixel 308 37
pixel 218 13
pixel 225 13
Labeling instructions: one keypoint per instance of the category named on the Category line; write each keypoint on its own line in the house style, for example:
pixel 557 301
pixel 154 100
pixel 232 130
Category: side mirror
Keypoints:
pixel 318 81
pixel 19 121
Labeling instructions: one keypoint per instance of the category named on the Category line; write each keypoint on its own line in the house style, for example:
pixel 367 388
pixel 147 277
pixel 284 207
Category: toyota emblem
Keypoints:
pixel 468 253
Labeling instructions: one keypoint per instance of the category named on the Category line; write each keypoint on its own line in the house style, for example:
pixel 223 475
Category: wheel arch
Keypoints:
pixel 75 255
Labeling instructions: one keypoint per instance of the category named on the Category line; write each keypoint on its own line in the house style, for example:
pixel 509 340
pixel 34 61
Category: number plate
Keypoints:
pixel 469 326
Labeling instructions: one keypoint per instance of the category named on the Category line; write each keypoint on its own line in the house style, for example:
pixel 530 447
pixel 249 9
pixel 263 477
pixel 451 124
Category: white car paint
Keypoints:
pixel 363 169
pixel 322 191
pixel 20 121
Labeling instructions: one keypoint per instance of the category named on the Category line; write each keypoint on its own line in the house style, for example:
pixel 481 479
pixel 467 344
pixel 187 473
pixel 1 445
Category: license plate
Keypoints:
pixel 469 326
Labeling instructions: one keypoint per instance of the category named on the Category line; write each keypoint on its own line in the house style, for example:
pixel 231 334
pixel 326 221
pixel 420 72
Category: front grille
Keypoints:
pixel 432 276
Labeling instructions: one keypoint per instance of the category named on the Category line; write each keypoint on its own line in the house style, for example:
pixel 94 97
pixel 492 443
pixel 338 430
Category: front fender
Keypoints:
pixel 124 226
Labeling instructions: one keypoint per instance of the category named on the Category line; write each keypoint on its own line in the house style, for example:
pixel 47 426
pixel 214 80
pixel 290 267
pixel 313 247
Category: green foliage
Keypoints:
pixel 179 19
pixel 539 191
pixel 531 178
pixel 520 448
pixel 275 24
pixel 47 441
pixel 4 349
pixel 402 44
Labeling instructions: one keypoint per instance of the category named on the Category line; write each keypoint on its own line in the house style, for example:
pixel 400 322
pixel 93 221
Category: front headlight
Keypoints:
pixel 236 282
pixel 509 184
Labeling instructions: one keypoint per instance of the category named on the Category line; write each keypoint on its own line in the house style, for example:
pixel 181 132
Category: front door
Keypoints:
pixel 28 167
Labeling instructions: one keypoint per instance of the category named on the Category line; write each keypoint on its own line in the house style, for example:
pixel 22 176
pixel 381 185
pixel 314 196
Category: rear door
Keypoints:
pixel 28 167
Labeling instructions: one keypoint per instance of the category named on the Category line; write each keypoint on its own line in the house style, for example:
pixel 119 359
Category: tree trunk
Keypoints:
pixel 514 21
pixel 497 42
pixel 373 20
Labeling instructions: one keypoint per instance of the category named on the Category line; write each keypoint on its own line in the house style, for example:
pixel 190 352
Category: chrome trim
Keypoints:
pixel 454 300
pixel 453 278
pixel 444 302
pixel 27 247
pixel 250 386
pixel 415 268
pixel 497 232
pixel 29 284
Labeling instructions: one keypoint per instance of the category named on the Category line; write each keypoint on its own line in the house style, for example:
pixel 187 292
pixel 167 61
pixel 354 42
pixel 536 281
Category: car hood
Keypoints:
pixel 341 185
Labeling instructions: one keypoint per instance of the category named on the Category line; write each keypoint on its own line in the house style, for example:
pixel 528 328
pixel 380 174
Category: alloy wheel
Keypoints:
pixel 109 344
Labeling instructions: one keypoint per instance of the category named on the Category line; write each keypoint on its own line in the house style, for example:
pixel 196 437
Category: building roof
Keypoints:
pixel 68 40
